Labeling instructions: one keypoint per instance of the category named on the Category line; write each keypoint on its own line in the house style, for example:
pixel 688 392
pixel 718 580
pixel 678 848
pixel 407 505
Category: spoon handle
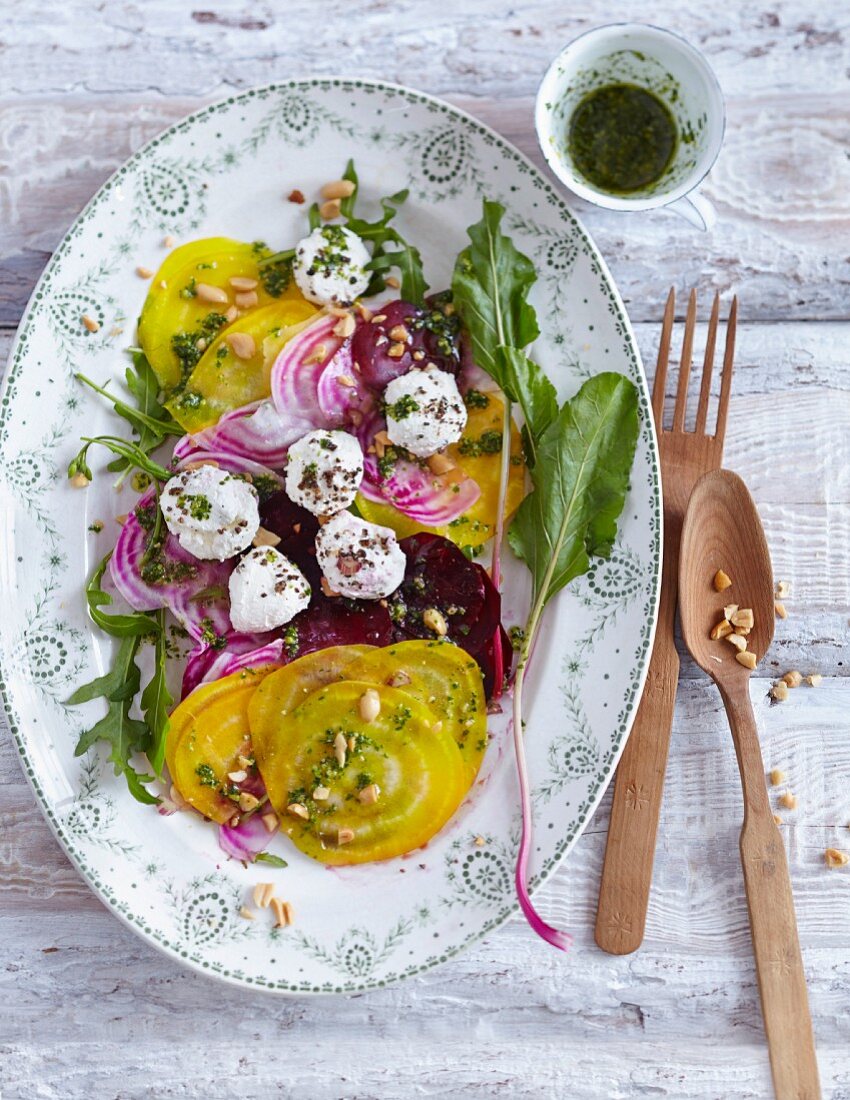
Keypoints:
pixel 773 925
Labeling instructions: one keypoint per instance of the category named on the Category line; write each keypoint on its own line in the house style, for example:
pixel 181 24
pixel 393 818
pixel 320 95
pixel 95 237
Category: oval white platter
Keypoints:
pixel 226 171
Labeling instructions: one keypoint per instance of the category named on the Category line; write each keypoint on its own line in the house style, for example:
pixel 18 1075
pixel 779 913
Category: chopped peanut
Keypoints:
pixel 738 641
pixel 814 680
pixel 369 795
pixel 779 691
pixel 793 678
pixel 338 189
pixel 779 608
pixel 783 589
pixel 721 630
pixel 297 809
pixel 835 858
pixel 435 620
pixel 246 913
pixel 207 293
pixel 263 894
pixel 722 581
pixel 747 659
pixel 730 609
pixel 89 323
pixel 777 777
pixel 344 836
pixel 788 800
pixel 743 617
pixel 370 705
pixel 242 344
pixel 265 538
pixel 330 209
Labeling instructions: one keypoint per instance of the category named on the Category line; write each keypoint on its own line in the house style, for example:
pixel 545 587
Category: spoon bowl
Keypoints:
pixel 722 531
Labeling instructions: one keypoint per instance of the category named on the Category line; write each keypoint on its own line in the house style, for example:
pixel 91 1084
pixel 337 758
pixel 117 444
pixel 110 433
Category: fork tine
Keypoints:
pixel 685 364
pixel 726 377
pixel 660 382
pixel 707 367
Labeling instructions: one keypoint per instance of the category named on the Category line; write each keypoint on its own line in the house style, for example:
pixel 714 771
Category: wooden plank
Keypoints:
pixel 773 244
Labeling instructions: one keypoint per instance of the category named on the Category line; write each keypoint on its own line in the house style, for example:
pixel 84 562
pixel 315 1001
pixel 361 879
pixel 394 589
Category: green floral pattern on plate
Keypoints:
pixel 225 171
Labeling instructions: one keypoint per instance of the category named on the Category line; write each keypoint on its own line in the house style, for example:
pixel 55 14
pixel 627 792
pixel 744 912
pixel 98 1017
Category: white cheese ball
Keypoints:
pixel 266 591
pixel 425 411
pixel 330 266
pixel 323 471
pixel 212 513
pixel 359 559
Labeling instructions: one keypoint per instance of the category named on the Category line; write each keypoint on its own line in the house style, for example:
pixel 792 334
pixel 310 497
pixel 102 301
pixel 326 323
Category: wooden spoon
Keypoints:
pixel 722 531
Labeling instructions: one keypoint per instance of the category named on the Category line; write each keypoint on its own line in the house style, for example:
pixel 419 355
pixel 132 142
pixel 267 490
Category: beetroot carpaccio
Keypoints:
pixel 425 335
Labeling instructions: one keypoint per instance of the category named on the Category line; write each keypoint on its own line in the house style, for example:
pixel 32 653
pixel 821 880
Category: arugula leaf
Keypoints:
pixel 525 383
pixel 347 204
pixel 490 288
pixel 124 734
pixel 155 701
pixel 135 456
pixel 150 419
pixel 119 626
pixel 405 257
pixel 270 858
pixel 580 481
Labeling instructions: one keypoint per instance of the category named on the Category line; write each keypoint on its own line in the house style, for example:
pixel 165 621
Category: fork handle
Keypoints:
pixel 632 831
pixel 773 924
pixel 630 851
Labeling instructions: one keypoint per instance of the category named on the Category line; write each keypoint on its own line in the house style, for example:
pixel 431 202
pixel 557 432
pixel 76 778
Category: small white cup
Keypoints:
pixel 668 66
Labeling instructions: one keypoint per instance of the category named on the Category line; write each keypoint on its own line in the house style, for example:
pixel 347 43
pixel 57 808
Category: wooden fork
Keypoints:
pixel 685 457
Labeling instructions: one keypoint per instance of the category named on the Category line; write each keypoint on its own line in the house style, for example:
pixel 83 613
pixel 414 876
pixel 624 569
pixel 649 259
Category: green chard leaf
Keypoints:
pixel 156 700
pixel 525 383
pixel 580 480
pixel 124 734
pixel 490 288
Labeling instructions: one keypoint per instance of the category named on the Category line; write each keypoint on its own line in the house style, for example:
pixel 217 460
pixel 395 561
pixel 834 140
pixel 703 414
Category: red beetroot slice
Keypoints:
pixel 281 516
pixel 427 333
pixel 486 658
pixel 330 621
pixel 439 576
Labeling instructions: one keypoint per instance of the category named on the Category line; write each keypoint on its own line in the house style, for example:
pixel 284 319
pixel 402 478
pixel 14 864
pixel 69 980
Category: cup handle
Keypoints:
pixel 696 209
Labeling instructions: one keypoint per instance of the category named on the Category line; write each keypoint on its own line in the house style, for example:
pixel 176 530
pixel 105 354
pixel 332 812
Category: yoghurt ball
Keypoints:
pixel 266 591
pixel 323 471
pixel 330 266
pixel 359 559
pixel 212 513
pixel 425 411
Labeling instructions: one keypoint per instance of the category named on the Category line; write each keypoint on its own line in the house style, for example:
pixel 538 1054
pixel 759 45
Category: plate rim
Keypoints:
pixel 101 891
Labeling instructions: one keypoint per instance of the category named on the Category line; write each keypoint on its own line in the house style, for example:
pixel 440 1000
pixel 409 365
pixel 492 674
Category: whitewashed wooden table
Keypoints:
pixel 91 1011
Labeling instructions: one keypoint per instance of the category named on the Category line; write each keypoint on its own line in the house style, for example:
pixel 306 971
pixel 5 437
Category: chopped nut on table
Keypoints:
pixel 788 800
pixel 777 777
pixel 835 858
pixel 779 691
pixel 793 678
